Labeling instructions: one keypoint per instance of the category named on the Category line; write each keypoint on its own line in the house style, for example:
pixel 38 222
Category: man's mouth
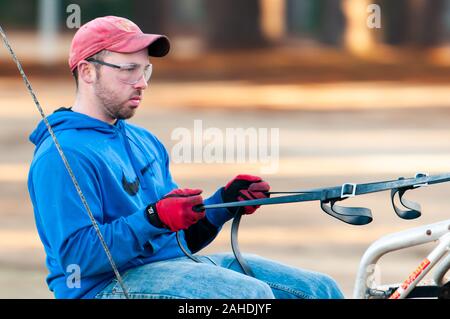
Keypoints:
pixel 135 100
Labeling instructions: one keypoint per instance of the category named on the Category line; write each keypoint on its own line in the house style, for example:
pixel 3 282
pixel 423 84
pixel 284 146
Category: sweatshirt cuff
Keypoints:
pixel 142 228
pixel 217 216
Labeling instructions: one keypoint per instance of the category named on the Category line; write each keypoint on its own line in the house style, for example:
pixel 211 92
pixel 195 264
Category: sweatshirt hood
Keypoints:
pixel 65 119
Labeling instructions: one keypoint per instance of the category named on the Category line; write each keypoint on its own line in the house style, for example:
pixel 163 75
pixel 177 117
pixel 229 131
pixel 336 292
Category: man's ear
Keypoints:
pixel 86 72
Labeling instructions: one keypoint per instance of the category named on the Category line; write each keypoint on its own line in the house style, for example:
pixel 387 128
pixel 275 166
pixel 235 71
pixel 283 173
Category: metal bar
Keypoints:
pixel 393 242
pixel 441 270
pixel 416 276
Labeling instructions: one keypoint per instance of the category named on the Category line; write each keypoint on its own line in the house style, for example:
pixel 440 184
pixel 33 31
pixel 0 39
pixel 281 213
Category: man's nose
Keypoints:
pixel 141 84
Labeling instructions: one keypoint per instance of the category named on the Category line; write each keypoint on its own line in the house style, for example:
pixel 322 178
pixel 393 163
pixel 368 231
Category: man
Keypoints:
pixel 123 173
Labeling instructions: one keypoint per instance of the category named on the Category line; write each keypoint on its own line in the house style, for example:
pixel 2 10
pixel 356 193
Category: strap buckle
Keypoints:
pixel 418 175
pixel 348 190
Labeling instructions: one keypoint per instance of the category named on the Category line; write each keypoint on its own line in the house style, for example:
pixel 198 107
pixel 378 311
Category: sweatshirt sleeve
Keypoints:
pixel 204 231
pixel 217 216
pixel 66 225
pixel 201 234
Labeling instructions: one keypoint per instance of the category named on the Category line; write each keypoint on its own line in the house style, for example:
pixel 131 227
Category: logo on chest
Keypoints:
pixel 132 188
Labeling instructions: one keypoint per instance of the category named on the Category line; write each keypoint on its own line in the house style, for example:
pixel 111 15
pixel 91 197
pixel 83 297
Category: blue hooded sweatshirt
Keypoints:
pixel 120 169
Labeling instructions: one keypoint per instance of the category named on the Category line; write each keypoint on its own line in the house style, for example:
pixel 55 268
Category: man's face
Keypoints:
pixel 119 99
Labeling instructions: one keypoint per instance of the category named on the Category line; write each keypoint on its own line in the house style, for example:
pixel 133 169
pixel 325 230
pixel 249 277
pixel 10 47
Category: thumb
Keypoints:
pixel 183 192
pixel 192 192
pixel 259 187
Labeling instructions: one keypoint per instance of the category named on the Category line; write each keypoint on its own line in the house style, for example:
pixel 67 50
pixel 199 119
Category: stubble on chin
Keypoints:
pixel 109 101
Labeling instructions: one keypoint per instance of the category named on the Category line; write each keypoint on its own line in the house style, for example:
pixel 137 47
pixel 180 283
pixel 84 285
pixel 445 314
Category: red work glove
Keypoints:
pixel 175 210
pixel 245 187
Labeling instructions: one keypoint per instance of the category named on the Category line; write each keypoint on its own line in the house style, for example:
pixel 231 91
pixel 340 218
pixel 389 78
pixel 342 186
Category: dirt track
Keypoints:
pixel 317 148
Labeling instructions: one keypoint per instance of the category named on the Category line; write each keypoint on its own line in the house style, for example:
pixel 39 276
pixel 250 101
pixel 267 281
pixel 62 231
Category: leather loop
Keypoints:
pixel 413 209
pixel 350 215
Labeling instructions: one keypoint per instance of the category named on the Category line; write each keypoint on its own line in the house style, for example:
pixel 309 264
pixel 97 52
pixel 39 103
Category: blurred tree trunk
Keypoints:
pixel 417 22
pixel 233 24
pixel 273 17
pixel 151 15
pixel 396 21
pixel 332 22
pixel 359 39
pixel 432 27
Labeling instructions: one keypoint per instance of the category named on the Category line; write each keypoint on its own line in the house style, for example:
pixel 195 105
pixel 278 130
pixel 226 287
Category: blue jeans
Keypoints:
pixel 183 278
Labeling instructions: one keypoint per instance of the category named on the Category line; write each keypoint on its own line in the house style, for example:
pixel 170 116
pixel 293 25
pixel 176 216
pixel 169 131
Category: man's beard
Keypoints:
pixel 109 100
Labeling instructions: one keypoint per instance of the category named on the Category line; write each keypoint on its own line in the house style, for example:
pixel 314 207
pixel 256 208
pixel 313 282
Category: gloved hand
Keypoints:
pixel 175 210
pixel 245 187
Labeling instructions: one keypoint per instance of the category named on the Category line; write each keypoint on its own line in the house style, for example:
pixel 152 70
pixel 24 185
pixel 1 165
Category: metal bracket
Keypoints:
pixel 345 193
pixel 418 175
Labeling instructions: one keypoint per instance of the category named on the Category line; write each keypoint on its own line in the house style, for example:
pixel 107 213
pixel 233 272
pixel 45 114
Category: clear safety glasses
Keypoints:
pixel 129 73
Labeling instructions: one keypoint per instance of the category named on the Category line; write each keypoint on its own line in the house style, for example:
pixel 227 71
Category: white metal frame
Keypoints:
pixel 437 232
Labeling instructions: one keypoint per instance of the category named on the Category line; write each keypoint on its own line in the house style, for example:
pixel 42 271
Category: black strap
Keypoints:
pixel 424 292
pixel 444 291
pixel 328 198
pixel 339 192
pixel 349 215
pixel 353 215
pixel 235 246
pixel 185 251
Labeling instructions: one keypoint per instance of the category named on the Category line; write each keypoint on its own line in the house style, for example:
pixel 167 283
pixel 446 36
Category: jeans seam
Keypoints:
pixel 298 293
pixel 136 294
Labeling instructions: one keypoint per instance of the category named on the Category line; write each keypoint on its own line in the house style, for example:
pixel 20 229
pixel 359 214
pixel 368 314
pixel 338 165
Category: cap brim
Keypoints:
pixel 158 45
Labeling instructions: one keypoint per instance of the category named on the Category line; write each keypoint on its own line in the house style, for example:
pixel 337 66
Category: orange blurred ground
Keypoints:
pixel 340 120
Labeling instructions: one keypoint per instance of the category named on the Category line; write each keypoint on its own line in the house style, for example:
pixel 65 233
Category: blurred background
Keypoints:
pixel 355 99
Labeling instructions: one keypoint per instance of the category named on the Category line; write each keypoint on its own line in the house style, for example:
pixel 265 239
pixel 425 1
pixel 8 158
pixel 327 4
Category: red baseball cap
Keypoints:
pixel 114 34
